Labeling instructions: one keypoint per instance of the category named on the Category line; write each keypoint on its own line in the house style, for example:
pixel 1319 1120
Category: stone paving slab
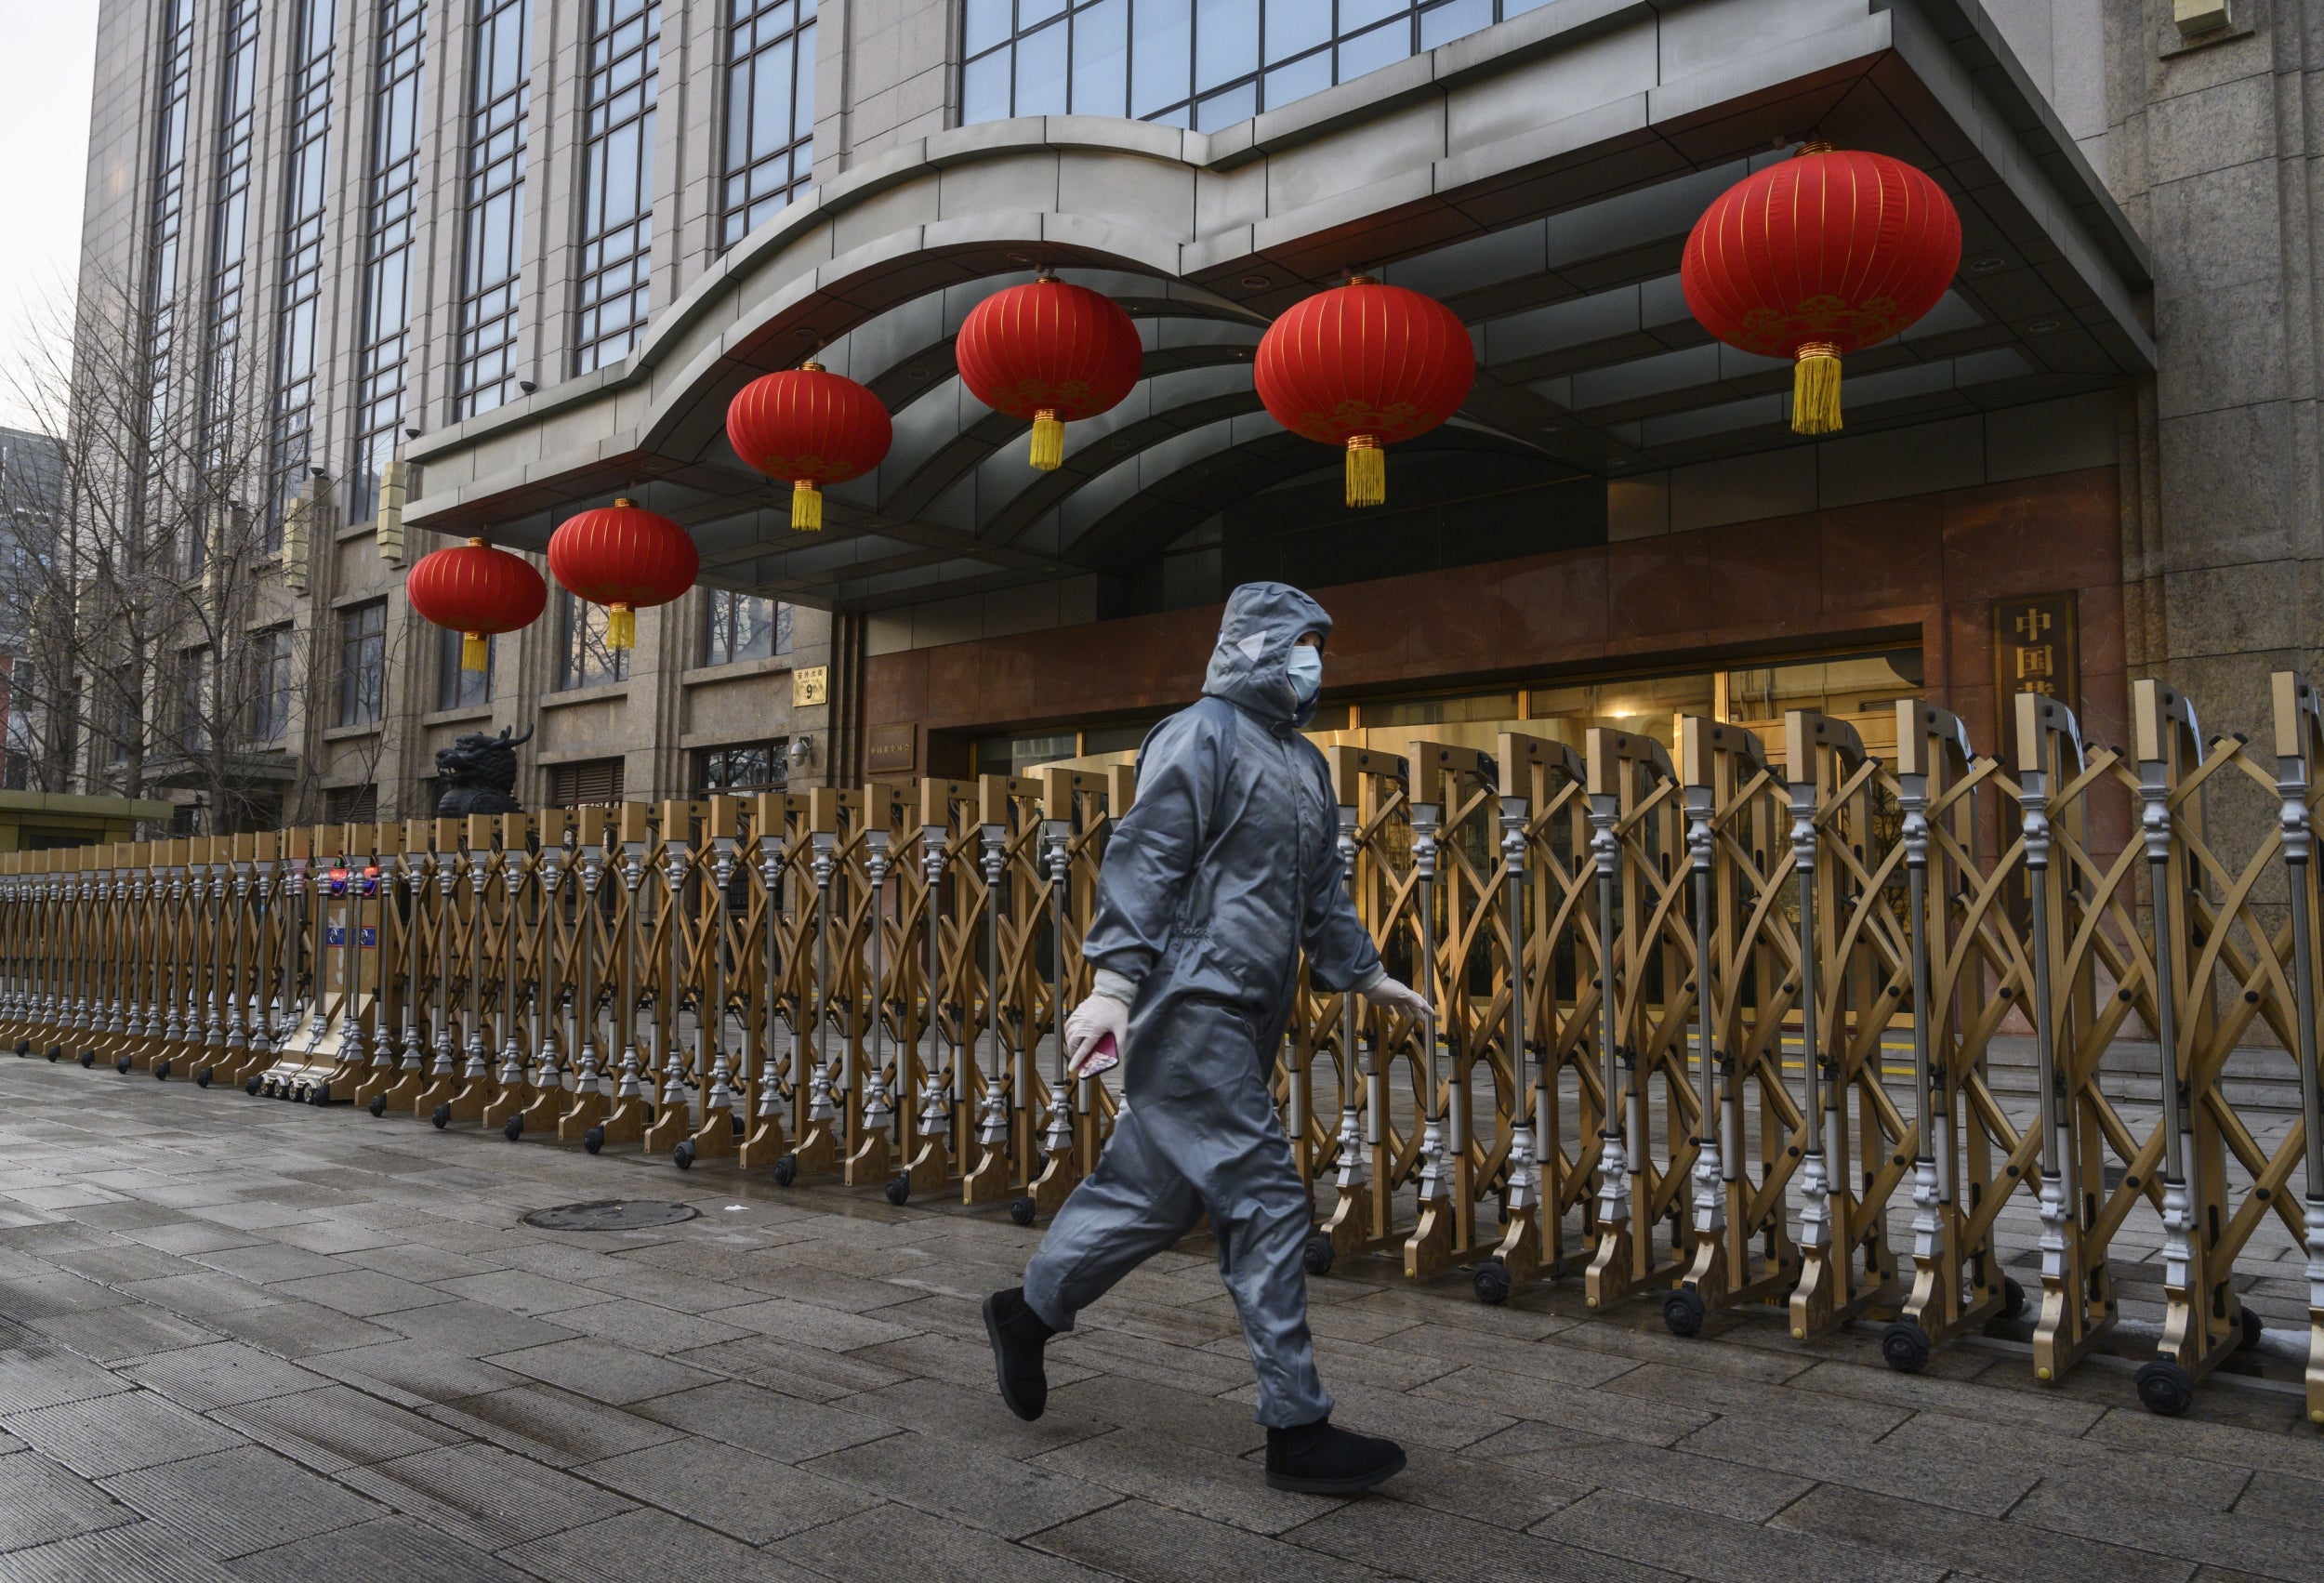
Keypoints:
pixel 241 1339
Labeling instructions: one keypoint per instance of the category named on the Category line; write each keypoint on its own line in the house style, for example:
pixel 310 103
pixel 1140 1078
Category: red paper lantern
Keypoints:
pixel 1365 365
pixel 811 427
pixel 1051 352
pixel 476 590
pixel 625 559
pixel 1821 255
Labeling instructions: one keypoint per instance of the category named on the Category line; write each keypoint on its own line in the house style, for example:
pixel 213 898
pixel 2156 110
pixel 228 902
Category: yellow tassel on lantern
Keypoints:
pixel 1049 441
pixel 806 507
pixel 1816 389
pixel 1368 471
pixel 621 626
pixel 472 651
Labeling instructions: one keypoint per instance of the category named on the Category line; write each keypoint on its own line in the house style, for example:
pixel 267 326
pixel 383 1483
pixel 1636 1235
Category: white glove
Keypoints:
pixel 1095 1033
pixel 1394 994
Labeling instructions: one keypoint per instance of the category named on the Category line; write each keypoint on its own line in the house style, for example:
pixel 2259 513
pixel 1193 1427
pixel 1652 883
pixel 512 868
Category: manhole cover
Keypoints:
pixel 610 1215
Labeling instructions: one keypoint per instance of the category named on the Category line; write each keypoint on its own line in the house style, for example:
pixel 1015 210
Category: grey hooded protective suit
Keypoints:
pixel 1225 868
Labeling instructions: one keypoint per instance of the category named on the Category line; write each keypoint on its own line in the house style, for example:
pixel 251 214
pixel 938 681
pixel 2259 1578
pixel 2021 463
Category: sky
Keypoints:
pixel 48 63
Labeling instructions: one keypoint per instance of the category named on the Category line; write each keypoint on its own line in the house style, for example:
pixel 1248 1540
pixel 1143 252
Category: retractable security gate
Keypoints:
pixel 1725 1027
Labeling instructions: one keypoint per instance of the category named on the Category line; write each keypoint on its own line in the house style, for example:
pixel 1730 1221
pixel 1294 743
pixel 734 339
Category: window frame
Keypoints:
pixel 388 248
pixel 271 701
pixel 759 41
pixel 1232 96
pixel 298 299
pixel 486 320
pixel 584 659
pixel 777 749
pixel 721 608
pixel 362 663
pixel 611 120
pixel 457 688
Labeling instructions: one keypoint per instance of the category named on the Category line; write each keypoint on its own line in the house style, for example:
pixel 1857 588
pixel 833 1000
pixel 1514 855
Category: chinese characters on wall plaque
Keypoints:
pixel 808 686
pixel 2036 649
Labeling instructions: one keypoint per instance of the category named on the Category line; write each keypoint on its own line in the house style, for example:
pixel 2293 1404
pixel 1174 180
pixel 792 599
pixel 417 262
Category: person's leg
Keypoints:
pixel 1132 1207
pixel 1260 1211
pixel 1229 1145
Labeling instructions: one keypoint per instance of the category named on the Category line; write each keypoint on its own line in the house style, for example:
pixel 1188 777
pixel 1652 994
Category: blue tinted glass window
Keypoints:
pixel 1226 43
pixel 1161 55
pixel 1101 68
pixel 1041 72
pixel 1297 26
pixel 988 23
pixel 1456 19
pixel 1203 64
pixel 1384 46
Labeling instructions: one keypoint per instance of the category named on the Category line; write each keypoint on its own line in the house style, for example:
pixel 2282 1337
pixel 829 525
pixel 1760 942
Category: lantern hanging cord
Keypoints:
pixel 1816 389
pixel 1368 471
pixel 806 506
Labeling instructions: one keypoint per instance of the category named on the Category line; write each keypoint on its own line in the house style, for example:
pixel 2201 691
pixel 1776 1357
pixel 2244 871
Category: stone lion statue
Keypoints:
pixel 478 774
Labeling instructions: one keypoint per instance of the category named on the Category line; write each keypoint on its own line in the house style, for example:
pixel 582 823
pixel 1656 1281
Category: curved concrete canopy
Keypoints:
pixel 1540 177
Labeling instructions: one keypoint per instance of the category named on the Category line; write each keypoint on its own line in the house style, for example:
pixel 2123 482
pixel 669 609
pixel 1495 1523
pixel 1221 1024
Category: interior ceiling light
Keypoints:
pixel 1987 264
pixel 1255 281
pixel 2041 326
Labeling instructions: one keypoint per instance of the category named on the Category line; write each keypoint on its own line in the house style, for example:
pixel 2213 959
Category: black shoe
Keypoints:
pixel 1319 1459
pixel 1018 1336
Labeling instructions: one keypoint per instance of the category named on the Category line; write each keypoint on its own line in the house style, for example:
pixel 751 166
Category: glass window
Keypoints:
pixel 362 663
pixel 492 261
pixel 457 688
pixel 746 767
pixel 1022 755
pixel 1859 684
pixel 769 111
pixel 1641 706
pixel 1101 68
pixel 271 700
pixel 742 626
pixel 193 702
pixel 1206 64
pixel 390 208
pixel 617 281
pixel 230 233
pixel 1439 711
pixel 583 657
pixel 166 225
pixel 305 186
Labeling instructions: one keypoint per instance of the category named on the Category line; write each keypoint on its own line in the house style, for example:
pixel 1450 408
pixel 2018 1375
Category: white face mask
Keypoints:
pixel 1307 672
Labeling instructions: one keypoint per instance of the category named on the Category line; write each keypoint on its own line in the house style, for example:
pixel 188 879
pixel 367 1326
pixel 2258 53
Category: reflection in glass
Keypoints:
pixel 1208 63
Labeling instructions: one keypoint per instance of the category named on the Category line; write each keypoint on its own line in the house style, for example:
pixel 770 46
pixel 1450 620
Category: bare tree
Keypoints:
pixel 160 649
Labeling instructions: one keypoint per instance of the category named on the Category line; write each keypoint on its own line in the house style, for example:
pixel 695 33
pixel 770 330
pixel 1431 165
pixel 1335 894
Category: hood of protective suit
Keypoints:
pixel 1256 635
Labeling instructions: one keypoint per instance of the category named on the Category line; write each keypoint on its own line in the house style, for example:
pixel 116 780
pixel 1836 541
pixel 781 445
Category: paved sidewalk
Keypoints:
pixel 240 1339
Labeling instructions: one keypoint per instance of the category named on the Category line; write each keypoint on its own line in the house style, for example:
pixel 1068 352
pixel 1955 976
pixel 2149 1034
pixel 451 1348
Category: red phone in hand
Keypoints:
pixel 1101 1057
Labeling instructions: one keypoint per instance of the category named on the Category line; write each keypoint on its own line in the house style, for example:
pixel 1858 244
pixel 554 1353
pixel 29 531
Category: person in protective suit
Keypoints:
pixel 1221 873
